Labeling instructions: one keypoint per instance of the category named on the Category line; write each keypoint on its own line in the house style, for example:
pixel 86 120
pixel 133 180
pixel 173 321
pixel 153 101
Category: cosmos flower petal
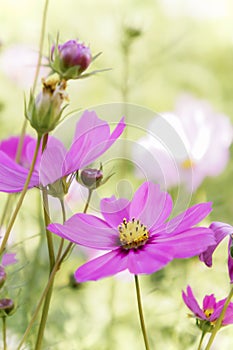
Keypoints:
pixel 13 175
pixel 9 259
pixel 54 154
pixel 188 243
pixel 106 265
pixel 188 218
pixel 221 230
pixel 10 147
pixel 114 210
pixel 192 303
pixel 87 230
pixel 149 259
pixel 92 138
pixel 230 261
pixel 209 302
pixel 150 205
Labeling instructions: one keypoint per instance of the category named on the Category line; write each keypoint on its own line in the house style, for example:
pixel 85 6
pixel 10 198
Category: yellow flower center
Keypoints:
pixel 187 164
pixel 133 234
pixel 208 312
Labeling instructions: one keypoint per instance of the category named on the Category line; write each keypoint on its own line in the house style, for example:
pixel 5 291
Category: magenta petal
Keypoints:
pixel 228 318
pixel 106 265
pixel 10 147
pixel 87 230
pixel 114 210
pixel 13 175
pixel 92 138
pixel 220 230
pixel 9 259
pixel 209 302
pixel 230 261
pixel 188 218
pixel 149 259
pixel 150 205
pixel 52 162
pixel 192 304
pixel 188 243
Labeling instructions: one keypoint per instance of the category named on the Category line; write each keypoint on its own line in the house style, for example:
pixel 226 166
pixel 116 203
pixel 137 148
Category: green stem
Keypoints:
pixel 88 201
pixel 23 130
pixel 219 321
pixel 140 311
pixel 38 65
pixel 4 333
pixel 21 198
pixel 48 233
pixel 201 340
pixel 5 210
pixel 59 261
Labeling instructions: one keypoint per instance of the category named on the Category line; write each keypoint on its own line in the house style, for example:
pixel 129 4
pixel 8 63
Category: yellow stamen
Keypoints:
pixel 187 164
pixel 208 312
pixel 133 234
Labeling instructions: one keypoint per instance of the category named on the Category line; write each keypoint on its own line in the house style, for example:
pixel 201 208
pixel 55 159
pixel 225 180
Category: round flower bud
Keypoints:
pixel 6 306
pixel 45 110
pixel 2 276
pixel 91 178
pixel 70 59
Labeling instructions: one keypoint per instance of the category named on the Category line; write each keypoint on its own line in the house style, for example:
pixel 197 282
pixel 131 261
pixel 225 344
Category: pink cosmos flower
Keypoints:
pixel 185 147
pixel 92 138
pixel 220 230
pixel 210 311
pixel 136 233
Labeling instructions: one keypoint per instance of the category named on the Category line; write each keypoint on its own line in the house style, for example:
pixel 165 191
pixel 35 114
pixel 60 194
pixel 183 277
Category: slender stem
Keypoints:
pixel 140 310
pixel 219 321
pixel 201 340
pixel 5 210
pixel 59 261
pixel 4 333
pixel 38 65
pixel 21 198
pixel 48 233
pixel 88 201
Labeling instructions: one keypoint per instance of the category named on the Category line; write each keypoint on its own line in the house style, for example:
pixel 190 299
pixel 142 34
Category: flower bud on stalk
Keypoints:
pixel 70 59
pixel 6 307
pixel 44 111
pixel 92 178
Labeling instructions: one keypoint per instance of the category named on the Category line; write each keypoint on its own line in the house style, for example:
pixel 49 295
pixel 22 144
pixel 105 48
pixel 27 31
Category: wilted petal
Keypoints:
pixel 150 205
pixel 106 265
pixel 87 230
pixel 220 230
pixel 114 210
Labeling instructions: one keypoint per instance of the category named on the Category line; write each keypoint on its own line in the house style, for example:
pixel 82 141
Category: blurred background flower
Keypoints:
pixel 186 146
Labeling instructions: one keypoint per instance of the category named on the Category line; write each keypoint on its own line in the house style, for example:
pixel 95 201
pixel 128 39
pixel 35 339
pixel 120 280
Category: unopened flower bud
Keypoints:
pixel 2 276
pixel 91 178
pixel 6 306
pixel 45 110
pixel 70 59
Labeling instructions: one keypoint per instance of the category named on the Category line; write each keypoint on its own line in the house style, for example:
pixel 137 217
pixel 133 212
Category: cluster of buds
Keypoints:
pixel 70 59
pixel 44 111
